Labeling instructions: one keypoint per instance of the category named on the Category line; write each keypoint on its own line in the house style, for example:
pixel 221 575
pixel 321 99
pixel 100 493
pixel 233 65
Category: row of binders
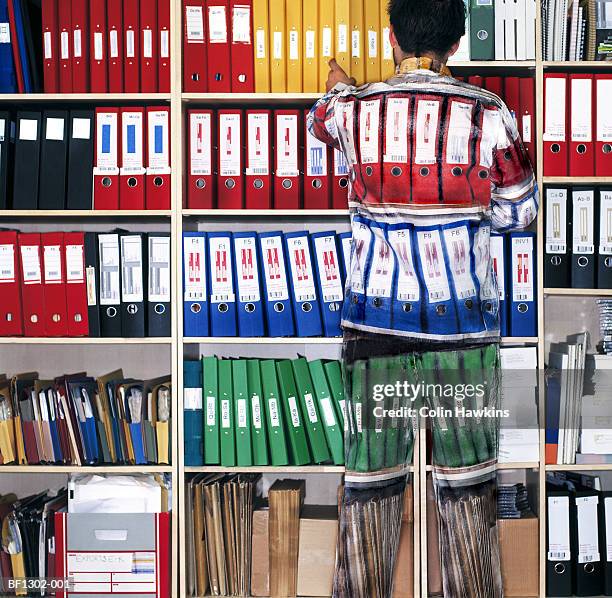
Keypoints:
pixel 249 412
pixel 578 536
pixel 261 159
pixel 106 46
pixel 578 238
pixel 85 284
pixel 80 420
pixel 577 124
pixel 110 159
pixel 274 284
pixel 504 30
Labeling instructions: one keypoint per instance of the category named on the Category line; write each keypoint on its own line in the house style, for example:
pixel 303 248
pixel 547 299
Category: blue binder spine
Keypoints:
pixel 192 413
pixel 379 280
pixel 195 290
pixel 8 75
pixel 523 301
pixel 221 285
pixel 500 274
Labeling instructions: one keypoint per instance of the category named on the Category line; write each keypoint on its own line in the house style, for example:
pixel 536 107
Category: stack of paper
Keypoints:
pixel 286 498
pixel 569 30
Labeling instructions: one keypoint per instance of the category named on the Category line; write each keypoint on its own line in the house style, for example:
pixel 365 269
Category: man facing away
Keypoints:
pixel 434 165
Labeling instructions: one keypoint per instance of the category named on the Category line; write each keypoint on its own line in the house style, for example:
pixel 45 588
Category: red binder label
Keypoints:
pixel 200 192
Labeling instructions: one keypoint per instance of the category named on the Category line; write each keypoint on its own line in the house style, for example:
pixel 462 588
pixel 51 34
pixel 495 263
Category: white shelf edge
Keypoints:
pixel 265 213
pixel 85 468
pixel 86 340
pixel 85 213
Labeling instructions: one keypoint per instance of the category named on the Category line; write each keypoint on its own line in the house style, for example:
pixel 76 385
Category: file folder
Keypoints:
pixel 200 189
pixel 133 263
pixel 395 170
pixel 371 20
pixel 357 42
pixel 482 30
pixel 604 255
pixel 259 439
pixel 528 114
pixel 97 44
pixel 523 315
pixel 340 181
pixel 242 413
pixel 315 426
pixel 11 323
pixel 316 171
pixel 326 40
pixel 50 30
pixel 132 171
pixel 555 134
pixel 92 267
pixel 278 60
pixel 32 296
pixel 369 147
pixel 379 274
pixel 262 57
pixel 287 192
pixel 106 165
pixel 227 406
pixel 258 159
pixel 192 412
pixel 159 285
pixel 158 158
pixel 603 125
pixel 310 46
pixel 387 63
pixel 304 297
pixel 275 417
pixel 7 142
pixel 163 43
pixel 558 226
pixel 221 285
pixel 79 183
pixel 329 281
pixel 295 427
pixel 589 566
pixel 54 284
pixel 80 46
pixel 210 398
pixel 606 513
pixel 249 308
pixel 195 78
pixel 131 30
pixel 27 161
pixel 581 150
pixel 230 160
pixel 110 285
pixel 195 288
pixel 294 10
pixel 64 20
pixel 279 316
pixel 242 56
pixel 583 238
pixel 115 47
pixel 148 46
pixel 219 64
pixel 53 158
pixel 76 285
pixel 559 575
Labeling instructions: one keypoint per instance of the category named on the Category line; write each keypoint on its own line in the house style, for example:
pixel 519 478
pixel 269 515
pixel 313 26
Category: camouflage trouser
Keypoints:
pixel 392 387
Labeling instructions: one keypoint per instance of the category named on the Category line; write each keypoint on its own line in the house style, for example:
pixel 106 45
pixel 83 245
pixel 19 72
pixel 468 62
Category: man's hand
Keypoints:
pixel 337 75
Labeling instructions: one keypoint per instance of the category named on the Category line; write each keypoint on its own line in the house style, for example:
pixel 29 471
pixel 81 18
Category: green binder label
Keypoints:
pixel 256 412
pixel 211 407
pixel 310 408
pixel 242 415
pixel 328 412
pixel 295 416
pixel 273 407
pixel 225 413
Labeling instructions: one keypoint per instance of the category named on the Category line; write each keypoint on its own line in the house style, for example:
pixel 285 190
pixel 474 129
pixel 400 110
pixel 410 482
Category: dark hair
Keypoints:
pixel 427 25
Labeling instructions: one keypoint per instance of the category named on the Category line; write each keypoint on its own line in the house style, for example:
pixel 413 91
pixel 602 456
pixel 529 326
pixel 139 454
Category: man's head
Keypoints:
pixel 426 27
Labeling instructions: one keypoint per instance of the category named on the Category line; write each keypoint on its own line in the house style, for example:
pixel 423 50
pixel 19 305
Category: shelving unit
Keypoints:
pixel 179 346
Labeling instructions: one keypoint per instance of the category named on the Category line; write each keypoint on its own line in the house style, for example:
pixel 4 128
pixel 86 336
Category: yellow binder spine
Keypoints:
pixel 294 47
pixel 262 57
pixel 310 41
pixel 278 61
pixel 357 41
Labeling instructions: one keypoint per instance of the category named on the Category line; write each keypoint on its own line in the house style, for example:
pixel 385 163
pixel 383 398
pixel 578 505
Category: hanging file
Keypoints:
pixel 248 285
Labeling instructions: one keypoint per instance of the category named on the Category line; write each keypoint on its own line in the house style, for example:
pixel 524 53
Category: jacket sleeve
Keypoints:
pixel 514 190
pixel 322 117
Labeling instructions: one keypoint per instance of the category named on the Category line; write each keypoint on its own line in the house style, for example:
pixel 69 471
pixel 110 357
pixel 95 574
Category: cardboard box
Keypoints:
pixel 260 565
pixel 317 553
pixel 518 547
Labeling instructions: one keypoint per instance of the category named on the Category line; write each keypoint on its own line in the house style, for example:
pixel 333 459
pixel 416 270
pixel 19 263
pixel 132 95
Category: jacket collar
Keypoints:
pixel 419 63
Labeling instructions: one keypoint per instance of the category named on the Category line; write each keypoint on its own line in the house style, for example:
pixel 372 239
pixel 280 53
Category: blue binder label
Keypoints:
pixel 457 242
pixel 131 139
pixel 407 282
pixel 380 278
pixel 274 269
pixel 329 269
pixel 433 267
pixel 246 269
pixel 302 273
pixel 522 269
pixel 194 251
pixel 222 287
pixel 106 139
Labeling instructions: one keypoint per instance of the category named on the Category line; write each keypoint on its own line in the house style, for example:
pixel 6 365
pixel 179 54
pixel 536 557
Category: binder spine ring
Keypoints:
pixel 223 307
pixel 249 308
pixel 230 183
pixel 555 148
pixel 607 148
pixel 111 312
pixel 523 308
pixel 258 184
pixel 195 308
pixel 158 181
pixel 559 568
pixel 279 307
pixel 107 181
pixel 159 308
pixel 132 182
pixel 287 183
pixel 200 183
pixel 343 182
pixel 581 148
pixel 317 183
pixel 307 307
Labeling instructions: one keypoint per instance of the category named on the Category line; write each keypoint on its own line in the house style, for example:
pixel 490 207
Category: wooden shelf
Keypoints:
pixel 236 340
pixel 501 466
pixel 581 467
pixel 26 340
pixel 240 98
pixel 525 64
pixel 519 340
pixel 267 469
pixel 267 213
pixel 577 180
pixel 85 97
pixel 134 469
pixel 85 213
pixel 579 292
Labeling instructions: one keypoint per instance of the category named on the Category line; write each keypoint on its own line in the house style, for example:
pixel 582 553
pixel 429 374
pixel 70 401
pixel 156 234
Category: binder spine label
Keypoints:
pixel 7 263
pixel 106 154
pixel 356 43
pixel 64 45
pixel 604 115
pixel 369 117
pixel 372 44
pixel 326 42
pixel 30 259
pixel 211 411
pixel 329 270
pixel 194 267
pixel 194 21
pixel 556 218
pixel 229 142
pixel 48 46
pixel 256 410
pixel 286 145
pixel 260 44
pixel 293 409
pixel 387 48
pixel 201 146
pixel 581 118
pixel 147 45
pixel 277 50
pixel 310 408
pixel 527 128
pixel 159 269
pixel 605 222
pixel 222 284
pixel 522 269
pixel 608 522
pixel 426 131
pixel 246 269
pixel 583 222
pixel 76 40
pixel 432 265
pixel 217 25
pixel 109 269
pixel 98 46
pixel 113 43
pixel 362 238
pixel 130 51
pixel 81 128
pixel 311 37
pixel 225 414
pixel 274 269
pixel 316 156
pixel 490 134
pixel 342 38
pixel 346 111
pixel 588 529
pixel 192 398
pixel 459 133
pixel 457 242
pixel 242 413
pixel 294 45
pixel 396 130
pixel 381 270
pixel 301 269
pixel 92 299
pixel 158 142
pixel 554 110
pixel 132 151
pixel 75 265
pixel 408 288
pixel 340 164
pixel 164 43
pixel 258 147
pixel 241 24
pixel 328 412
pixel 273 410
pixel 131 266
